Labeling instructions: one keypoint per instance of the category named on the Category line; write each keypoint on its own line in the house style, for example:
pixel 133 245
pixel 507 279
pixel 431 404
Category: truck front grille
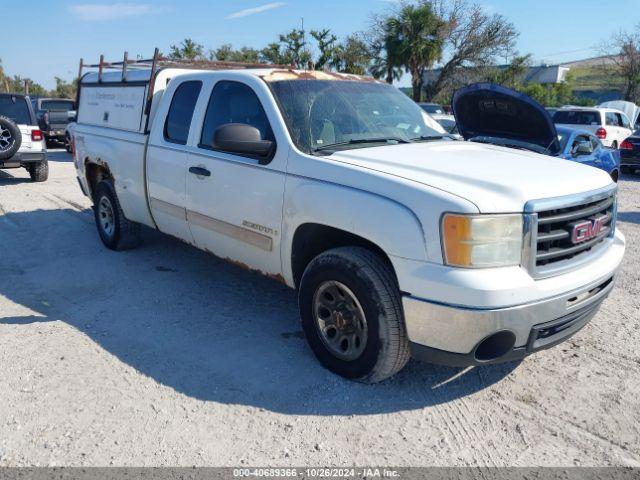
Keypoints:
pixel 564 234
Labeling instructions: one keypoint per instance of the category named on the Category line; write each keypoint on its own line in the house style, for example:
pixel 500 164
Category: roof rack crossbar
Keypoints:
pixel 158 61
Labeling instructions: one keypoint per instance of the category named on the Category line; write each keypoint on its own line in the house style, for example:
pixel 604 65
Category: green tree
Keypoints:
pixel 295 49
pixel 473 39
pixel 413 38
pixel 272 54
pixel 512 75
pixel 327 45
pixel 352 56
pixel 186 50
pixel 624 49
pixel 290 49
pixel 65 89
pixel 385 62
pixel 226 53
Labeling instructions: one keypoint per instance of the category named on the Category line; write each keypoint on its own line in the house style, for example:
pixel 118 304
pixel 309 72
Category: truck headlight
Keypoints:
pixel 481 241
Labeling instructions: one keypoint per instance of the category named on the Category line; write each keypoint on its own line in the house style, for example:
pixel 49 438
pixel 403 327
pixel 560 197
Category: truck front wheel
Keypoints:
pixel 116 232
pixel 351 313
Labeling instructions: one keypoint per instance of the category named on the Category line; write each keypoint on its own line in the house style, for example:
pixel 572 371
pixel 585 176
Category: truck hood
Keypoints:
pixel 488 110
pixel 495 179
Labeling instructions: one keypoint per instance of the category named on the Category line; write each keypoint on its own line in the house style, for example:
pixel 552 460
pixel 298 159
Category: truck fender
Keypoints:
pixel 387 224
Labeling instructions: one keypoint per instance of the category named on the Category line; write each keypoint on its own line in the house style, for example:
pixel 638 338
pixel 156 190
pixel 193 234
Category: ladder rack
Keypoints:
pixel 156 63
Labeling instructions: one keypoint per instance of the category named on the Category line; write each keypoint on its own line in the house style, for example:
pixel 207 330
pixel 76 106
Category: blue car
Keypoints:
pixel 489 113
pixel 584 147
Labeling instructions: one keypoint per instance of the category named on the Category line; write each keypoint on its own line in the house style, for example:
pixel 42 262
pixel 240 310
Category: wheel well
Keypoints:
pixel 311 239
pixel 95 174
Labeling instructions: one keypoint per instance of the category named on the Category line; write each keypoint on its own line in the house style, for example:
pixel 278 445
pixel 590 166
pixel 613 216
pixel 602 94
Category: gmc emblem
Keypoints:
pixel 588 229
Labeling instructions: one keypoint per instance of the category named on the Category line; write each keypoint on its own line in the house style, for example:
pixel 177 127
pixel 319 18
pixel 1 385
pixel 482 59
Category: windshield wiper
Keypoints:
pixel 356 141
pixel 427 138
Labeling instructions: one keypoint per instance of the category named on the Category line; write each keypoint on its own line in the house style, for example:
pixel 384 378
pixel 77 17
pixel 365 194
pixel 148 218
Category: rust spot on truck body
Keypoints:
pixel 285 75
pixel 273 276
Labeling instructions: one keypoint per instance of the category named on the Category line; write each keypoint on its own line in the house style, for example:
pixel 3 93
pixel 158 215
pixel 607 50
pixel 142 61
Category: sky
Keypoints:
pixel 43 39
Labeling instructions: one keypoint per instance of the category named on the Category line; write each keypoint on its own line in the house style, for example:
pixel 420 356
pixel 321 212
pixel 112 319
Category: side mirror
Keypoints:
pixel 583 148
pixel 243 139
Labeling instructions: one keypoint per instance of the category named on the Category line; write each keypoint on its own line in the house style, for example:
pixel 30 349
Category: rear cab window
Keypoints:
pixel 178 121
pixel 16 108
pixel 577 117
pixel 57 105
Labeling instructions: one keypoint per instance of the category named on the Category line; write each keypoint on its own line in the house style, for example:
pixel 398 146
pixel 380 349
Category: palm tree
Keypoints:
pixel 383 47
pixel 415 39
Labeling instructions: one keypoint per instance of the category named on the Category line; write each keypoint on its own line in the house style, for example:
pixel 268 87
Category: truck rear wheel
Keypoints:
pixel 116 232
pixel 39 172
pixel 351 313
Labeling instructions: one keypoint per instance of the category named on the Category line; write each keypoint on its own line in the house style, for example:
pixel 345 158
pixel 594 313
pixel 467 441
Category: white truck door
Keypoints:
pixel 234 203
pixel 167 161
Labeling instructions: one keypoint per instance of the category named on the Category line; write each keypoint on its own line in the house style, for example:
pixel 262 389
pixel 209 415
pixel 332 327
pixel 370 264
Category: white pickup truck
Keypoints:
pixel 399 241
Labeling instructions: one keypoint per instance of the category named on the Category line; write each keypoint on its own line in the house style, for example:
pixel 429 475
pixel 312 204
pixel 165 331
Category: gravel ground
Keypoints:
pixel 167 356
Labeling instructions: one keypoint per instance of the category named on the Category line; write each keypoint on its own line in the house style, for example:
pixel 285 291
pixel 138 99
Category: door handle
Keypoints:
pixel 200 171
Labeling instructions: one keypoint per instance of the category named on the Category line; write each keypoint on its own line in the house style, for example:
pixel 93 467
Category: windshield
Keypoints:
pixel 15 108
pixel 449 125
pixel 563 137
pixel 325 115
pixel 58 105
pixel 577 117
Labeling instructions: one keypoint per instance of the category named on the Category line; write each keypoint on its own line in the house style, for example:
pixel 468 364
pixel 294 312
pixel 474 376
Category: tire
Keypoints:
pixel 615 175
pixel 116 232
pixel 10 138
pixel 67 143
pixel 39 172
pixel 346 273
pixel 614 145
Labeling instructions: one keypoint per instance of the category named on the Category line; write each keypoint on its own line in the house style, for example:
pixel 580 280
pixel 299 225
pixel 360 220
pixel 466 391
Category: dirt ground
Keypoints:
pixel 165 355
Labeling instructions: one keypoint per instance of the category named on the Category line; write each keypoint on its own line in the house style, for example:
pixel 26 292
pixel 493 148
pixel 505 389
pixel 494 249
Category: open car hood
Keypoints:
pixel 488 110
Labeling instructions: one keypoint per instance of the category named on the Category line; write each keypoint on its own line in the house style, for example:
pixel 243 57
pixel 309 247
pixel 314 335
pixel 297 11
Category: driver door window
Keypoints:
pixel 233 102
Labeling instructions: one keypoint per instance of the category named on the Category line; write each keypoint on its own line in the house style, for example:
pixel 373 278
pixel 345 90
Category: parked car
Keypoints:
pixel 21 141
pixel 630 153
pixel 609 125
pixel 584 147
pixel 551 110
pixel 525 124
pixel 432 108
pixel 53 115
pixel 448 123
pixel 398 241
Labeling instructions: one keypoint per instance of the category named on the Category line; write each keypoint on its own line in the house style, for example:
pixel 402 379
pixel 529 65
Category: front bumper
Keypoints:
pixel 21 158
pixel 474 306
pixel 528 328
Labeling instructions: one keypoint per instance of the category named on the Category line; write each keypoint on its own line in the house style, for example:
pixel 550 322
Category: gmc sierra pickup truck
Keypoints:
pixel 398 240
